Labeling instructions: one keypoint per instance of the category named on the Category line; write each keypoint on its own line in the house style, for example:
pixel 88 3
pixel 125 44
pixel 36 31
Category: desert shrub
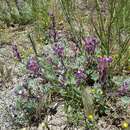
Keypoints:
pixel 15 12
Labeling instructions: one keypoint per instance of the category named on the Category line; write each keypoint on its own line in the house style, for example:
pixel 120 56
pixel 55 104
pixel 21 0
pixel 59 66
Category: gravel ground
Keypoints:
pixel 6 100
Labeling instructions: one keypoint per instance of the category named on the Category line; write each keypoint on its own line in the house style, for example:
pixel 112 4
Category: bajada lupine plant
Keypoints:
pixel 58 50
pixel 33 66
pixel 90 44
pixel 103 69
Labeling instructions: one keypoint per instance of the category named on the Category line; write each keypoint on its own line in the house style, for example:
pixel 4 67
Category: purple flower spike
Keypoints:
pixel 103 68
pixel 32 65
pixel 104 60
pixel 16 52
pixel 90 44
pixel 58 50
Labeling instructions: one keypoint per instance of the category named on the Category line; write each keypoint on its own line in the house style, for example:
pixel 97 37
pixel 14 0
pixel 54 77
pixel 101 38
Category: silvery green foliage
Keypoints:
pixel 125 100
pixel 118 80
pixel 25 10
pixel 4 12
pixel 20 4
pixel 31 101
pixel 14 12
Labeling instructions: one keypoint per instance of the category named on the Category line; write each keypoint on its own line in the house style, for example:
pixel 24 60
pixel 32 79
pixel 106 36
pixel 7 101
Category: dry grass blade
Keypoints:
pixel 88 101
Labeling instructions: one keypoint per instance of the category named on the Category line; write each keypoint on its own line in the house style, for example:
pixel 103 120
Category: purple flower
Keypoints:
pixel 80 75
pixel 16 52
pixel 103 68
pixel 104 59
pixel 123 89
pixel 58 50
pixel 90 44
pixel 32 65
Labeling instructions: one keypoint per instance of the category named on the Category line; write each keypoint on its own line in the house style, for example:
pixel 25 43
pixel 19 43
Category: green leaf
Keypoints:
pixel 95 76
pixel 32 83
pixel 125 100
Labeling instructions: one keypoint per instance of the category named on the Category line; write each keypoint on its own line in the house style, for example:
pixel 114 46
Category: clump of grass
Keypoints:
pixel 110 24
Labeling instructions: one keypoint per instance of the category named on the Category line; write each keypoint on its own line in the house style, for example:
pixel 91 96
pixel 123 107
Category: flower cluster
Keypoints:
pixel 32 65
pixel 123 89
pixel 58 50
pixel 103 68
pixel 80 75
pixel 16 52
pixel 90 44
